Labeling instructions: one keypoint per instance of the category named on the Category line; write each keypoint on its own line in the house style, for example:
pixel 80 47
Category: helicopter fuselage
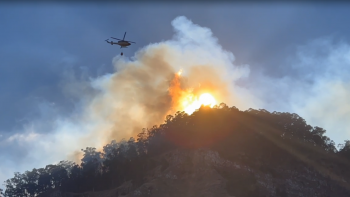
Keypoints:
pixel 123 43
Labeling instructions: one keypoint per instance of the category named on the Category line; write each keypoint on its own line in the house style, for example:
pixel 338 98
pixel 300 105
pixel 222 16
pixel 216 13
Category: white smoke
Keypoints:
pixel 324 67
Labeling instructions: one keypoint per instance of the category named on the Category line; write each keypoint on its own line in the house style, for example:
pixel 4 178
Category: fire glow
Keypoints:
pixel 191 103
pixel 186 100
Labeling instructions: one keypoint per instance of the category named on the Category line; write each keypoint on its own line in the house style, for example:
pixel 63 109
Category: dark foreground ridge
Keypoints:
pixel 215 152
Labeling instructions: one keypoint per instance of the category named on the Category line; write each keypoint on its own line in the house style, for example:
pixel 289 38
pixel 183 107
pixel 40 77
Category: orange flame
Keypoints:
pixel 186 100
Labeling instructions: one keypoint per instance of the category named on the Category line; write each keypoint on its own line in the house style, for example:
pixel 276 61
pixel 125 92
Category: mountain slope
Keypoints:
pixel 204 173
pixel 217 151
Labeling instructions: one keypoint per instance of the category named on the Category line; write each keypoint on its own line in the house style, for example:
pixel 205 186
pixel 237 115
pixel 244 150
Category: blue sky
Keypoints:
pixel 297 56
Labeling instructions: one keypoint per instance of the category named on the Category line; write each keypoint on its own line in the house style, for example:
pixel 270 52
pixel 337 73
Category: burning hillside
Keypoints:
pixel 199 145
pixel 176 75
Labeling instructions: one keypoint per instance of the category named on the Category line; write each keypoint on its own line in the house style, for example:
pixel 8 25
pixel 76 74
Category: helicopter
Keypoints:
pixel 121 42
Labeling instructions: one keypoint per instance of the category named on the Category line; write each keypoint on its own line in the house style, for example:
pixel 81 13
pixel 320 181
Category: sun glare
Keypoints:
pixel 191 102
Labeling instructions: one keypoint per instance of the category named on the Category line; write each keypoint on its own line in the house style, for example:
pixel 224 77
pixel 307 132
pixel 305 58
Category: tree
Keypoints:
pixel 345 149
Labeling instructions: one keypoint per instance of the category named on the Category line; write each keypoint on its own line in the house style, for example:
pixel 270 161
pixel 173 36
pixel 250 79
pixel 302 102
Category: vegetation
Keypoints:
pixel 255 137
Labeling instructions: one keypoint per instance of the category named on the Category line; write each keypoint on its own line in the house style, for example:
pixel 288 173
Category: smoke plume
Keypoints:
pixel 141 92
pixel 144 90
